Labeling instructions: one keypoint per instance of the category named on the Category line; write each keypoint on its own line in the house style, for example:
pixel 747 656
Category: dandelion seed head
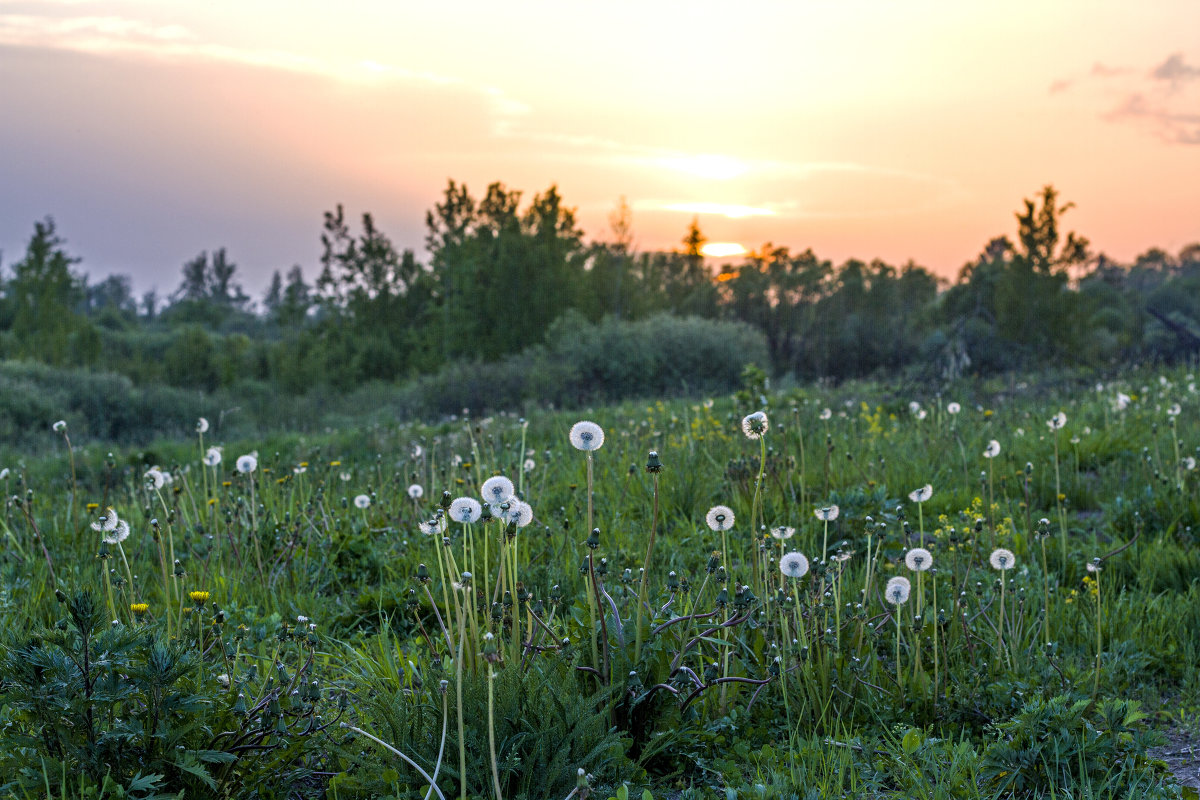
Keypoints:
pixel 922 494
pixel 155 478
pixel 953 408
pixel 201 425
pixel 59 426
pixel 518 513
pixel 416 491
pixel 1057 421
pixel 826 414
pixel 247 463
pixel 755 425
pixel 918 559
pixel 719 518
pixel 529 465
pixel 828 513
pixel 1174 410
pixel 1002 559
pixel 782 532
pixel 793 565
pixel 497 489
pixel 212 456
pixel 466 510
pixel 586 436
pixel 362 501
pixel 897 590
pixel 992 450
pixel 118 534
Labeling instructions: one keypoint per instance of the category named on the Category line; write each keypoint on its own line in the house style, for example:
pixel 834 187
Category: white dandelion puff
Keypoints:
pixel 1122 402
pixel 118 534
pixel 922 494
pixel 518 513
pixel 1057 421
pixel 755 425
pixel 362 501
pixel 247 463
pixel 465 510
pixel 719 518
pixel 1002 559
pixel 108 521
pixel 828 513
pixel 782 532
pixel 201 425
pixel 918 559
pixel 212 456
pixel 416 491
pixel 953 408
pixel 794 565
pixel 826 414
pixel 922 413
pixel 992 450
pixel 155 478
pixel 497 489
pixel 1189 463
pixel 431 526
pixel 529 465
pixel 897 590
pixel 59 426
pixel 914 406
pixel 1174 410
pixel 586 436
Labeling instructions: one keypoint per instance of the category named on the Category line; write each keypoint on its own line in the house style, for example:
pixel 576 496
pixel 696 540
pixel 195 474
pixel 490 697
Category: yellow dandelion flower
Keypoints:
pixel 92 506
pixel 139 608
pixel 335 463
pixel 199 598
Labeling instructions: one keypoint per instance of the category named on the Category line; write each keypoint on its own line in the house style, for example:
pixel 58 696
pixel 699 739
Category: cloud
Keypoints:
pixel 1175 71
pixel 134 38
pixel 1162 101
pixel 1172 126
pixel 1100 70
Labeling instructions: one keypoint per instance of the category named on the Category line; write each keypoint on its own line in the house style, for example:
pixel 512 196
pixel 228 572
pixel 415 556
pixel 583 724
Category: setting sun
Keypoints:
pixel 722 249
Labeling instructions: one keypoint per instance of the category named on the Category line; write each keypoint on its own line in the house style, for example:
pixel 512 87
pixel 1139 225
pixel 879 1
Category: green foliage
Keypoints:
pixel 1067 742
pixel 97 709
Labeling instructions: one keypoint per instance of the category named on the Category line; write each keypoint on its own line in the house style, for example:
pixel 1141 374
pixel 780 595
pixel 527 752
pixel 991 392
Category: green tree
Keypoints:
pixel 42 297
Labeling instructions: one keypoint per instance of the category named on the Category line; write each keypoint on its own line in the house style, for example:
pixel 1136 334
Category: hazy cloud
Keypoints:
pixel 1175 71
pixel 1100 70
pixel 1162 101
pixel 122 36
pixel 1173 126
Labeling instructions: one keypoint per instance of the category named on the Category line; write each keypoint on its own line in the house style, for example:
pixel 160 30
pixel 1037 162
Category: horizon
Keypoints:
pixel 153 131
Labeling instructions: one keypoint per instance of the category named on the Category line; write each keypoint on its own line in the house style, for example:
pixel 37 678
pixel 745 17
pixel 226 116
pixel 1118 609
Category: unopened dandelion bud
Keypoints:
pixel 593 539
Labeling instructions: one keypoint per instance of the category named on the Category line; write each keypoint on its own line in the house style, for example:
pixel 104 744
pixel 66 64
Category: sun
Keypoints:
pixel 722 249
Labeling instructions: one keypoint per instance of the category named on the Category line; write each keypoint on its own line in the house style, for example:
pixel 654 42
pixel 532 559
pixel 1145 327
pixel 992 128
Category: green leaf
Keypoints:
pixel 912 741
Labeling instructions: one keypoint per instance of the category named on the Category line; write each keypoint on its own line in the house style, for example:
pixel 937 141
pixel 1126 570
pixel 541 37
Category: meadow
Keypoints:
pixel 818 591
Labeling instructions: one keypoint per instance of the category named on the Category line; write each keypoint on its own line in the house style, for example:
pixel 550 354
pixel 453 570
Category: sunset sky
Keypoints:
pixel 900 130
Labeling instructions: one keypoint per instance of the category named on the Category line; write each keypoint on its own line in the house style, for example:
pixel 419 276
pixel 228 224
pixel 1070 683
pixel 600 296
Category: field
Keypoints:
pixel 993 592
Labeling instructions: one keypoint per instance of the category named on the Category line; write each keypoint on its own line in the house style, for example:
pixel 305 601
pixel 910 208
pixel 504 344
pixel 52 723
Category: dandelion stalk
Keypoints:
pixel 654 465
pixel 1094 568
pixel 492 735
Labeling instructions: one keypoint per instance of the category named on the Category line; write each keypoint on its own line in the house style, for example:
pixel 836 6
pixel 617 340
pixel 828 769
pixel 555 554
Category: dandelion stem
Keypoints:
pixel 492 735
pixel 637 649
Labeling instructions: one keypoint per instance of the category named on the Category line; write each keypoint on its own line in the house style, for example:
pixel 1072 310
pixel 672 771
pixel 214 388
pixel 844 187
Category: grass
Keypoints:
pixel 328 626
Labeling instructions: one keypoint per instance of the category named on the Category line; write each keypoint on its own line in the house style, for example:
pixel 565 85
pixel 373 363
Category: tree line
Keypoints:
pixel 499 276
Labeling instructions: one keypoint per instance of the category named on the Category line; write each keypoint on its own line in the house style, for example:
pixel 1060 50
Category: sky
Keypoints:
pixel 151 131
